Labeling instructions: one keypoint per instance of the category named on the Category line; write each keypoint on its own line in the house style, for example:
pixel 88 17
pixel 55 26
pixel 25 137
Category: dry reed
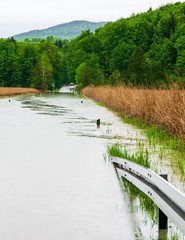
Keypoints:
pixel 9 91
pixel 166 108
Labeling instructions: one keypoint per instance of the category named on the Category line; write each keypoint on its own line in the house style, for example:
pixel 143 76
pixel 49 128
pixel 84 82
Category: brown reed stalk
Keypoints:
pixel 165 108
pixel 9 91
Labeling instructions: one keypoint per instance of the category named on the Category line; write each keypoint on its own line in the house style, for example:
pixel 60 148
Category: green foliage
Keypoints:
pixel 114 78
pixel 96 74
pixel 141 157
pixel 145 49
pixel 32 65
pixel 137 67
pixel 82 74
pixel 43 73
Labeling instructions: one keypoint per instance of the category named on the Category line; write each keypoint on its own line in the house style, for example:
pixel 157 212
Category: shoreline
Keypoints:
pixel 162 108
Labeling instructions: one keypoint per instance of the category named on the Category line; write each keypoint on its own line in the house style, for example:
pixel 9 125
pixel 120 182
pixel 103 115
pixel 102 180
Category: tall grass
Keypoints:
pixel 141 156
pixel 164 108
pixel 9 91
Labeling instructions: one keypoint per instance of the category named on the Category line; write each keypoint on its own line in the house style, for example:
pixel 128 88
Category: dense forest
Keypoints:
pixel 35 65
pixel 145 50
pixel 67 31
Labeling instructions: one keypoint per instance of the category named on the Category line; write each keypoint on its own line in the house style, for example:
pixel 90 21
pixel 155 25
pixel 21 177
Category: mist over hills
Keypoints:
pixel 68 30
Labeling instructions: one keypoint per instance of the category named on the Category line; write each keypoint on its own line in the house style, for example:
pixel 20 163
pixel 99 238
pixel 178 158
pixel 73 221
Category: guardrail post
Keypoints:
pixel 163 219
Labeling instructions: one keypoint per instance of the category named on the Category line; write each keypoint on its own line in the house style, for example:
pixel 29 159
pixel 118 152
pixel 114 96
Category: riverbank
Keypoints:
pixel 10 91
pixel 164 108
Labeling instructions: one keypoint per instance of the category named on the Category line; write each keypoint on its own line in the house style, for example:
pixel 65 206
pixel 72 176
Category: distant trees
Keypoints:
pixel 89 72
pixel 146 49
pixel 62 31
pixel 43 73
pixel 137 68
pixel 82 77
pixel 30 65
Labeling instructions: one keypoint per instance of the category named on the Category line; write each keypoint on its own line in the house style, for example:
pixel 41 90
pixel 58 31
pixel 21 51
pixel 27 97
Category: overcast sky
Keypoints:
pixel 17 16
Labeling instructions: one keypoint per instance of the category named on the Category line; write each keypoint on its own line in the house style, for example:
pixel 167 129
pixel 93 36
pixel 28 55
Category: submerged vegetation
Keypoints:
pixel 142 107
pixel 140 60
pixel 154 111
pixel 139 202
pixel 140 157
pixel 145 203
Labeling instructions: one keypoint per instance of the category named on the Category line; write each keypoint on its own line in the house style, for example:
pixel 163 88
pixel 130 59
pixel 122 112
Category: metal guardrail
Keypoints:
pixel 169 199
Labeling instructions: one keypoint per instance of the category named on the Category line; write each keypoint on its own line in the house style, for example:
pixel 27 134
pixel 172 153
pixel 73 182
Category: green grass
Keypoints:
pixel 141 156
pixel 156 135
pixel 146 204
pixel 100 104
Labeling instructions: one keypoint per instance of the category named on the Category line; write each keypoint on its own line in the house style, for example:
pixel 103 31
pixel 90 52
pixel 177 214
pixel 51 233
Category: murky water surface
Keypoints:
pixel 54 180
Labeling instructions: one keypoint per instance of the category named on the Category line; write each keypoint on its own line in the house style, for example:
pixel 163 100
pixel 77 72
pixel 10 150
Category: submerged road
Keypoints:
pixel 54 180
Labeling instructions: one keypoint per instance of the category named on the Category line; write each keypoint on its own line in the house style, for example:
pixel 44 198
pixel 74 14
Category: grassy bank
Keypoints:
pixel 10 91
pixel 164 108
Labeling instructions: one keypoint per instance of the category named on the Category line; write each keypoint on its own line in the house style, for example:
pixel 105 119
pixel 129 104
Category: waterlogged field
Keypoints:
pixel 162 159
pixel 58 177
pixel 156 149
pixel 162 107
pixel 141 204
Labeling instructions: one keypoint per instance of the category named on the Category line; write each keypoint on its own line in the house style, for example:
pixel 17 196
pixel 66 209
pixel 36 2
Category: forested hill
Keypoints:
pixel 147 49
pixel 62 31
pixel 144 50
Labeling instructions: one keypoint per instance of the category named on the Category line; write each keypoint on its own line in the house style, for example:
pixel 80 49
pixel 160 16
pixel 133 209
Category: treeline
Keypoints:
pixel 147 49
pixel 35 65
pixel 56 41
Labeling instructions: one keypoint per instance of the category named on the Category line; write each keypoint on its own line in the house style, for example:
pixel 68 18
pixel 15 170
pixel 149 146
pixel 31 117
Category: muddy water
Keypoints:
pixel 54 178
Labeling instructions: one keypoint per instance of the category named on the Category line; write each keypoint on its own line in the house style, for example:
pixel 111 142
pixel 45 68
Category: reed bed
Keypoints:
pixel 165 108
pixel 9 91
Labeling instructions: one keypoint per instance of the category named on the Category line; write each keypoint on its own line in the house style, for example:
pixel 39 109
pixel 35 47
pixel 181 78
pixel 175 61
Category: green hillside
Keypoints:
pixel 62 31
pixel 146 49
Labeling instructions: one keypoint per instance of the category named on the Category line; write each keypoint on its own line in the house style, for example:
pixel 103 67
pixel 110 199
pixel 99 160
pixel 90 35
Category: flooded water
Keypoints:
pixel 55 182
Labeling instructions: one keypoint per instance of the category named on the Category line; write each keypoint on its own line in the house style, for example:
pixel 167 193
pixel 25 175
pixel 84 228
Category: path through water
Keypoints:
pixel 54 180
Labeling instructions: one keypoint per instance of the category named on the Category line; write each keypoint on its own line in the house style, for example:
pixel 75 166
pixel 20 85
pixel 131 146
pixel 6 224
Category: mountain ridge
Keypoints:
pixel 67 30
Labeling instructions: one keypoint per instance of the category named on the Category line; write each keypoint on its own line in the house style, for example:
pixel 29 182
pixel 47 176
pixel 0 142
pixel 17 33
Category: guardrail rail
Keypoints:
pixel 168 198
